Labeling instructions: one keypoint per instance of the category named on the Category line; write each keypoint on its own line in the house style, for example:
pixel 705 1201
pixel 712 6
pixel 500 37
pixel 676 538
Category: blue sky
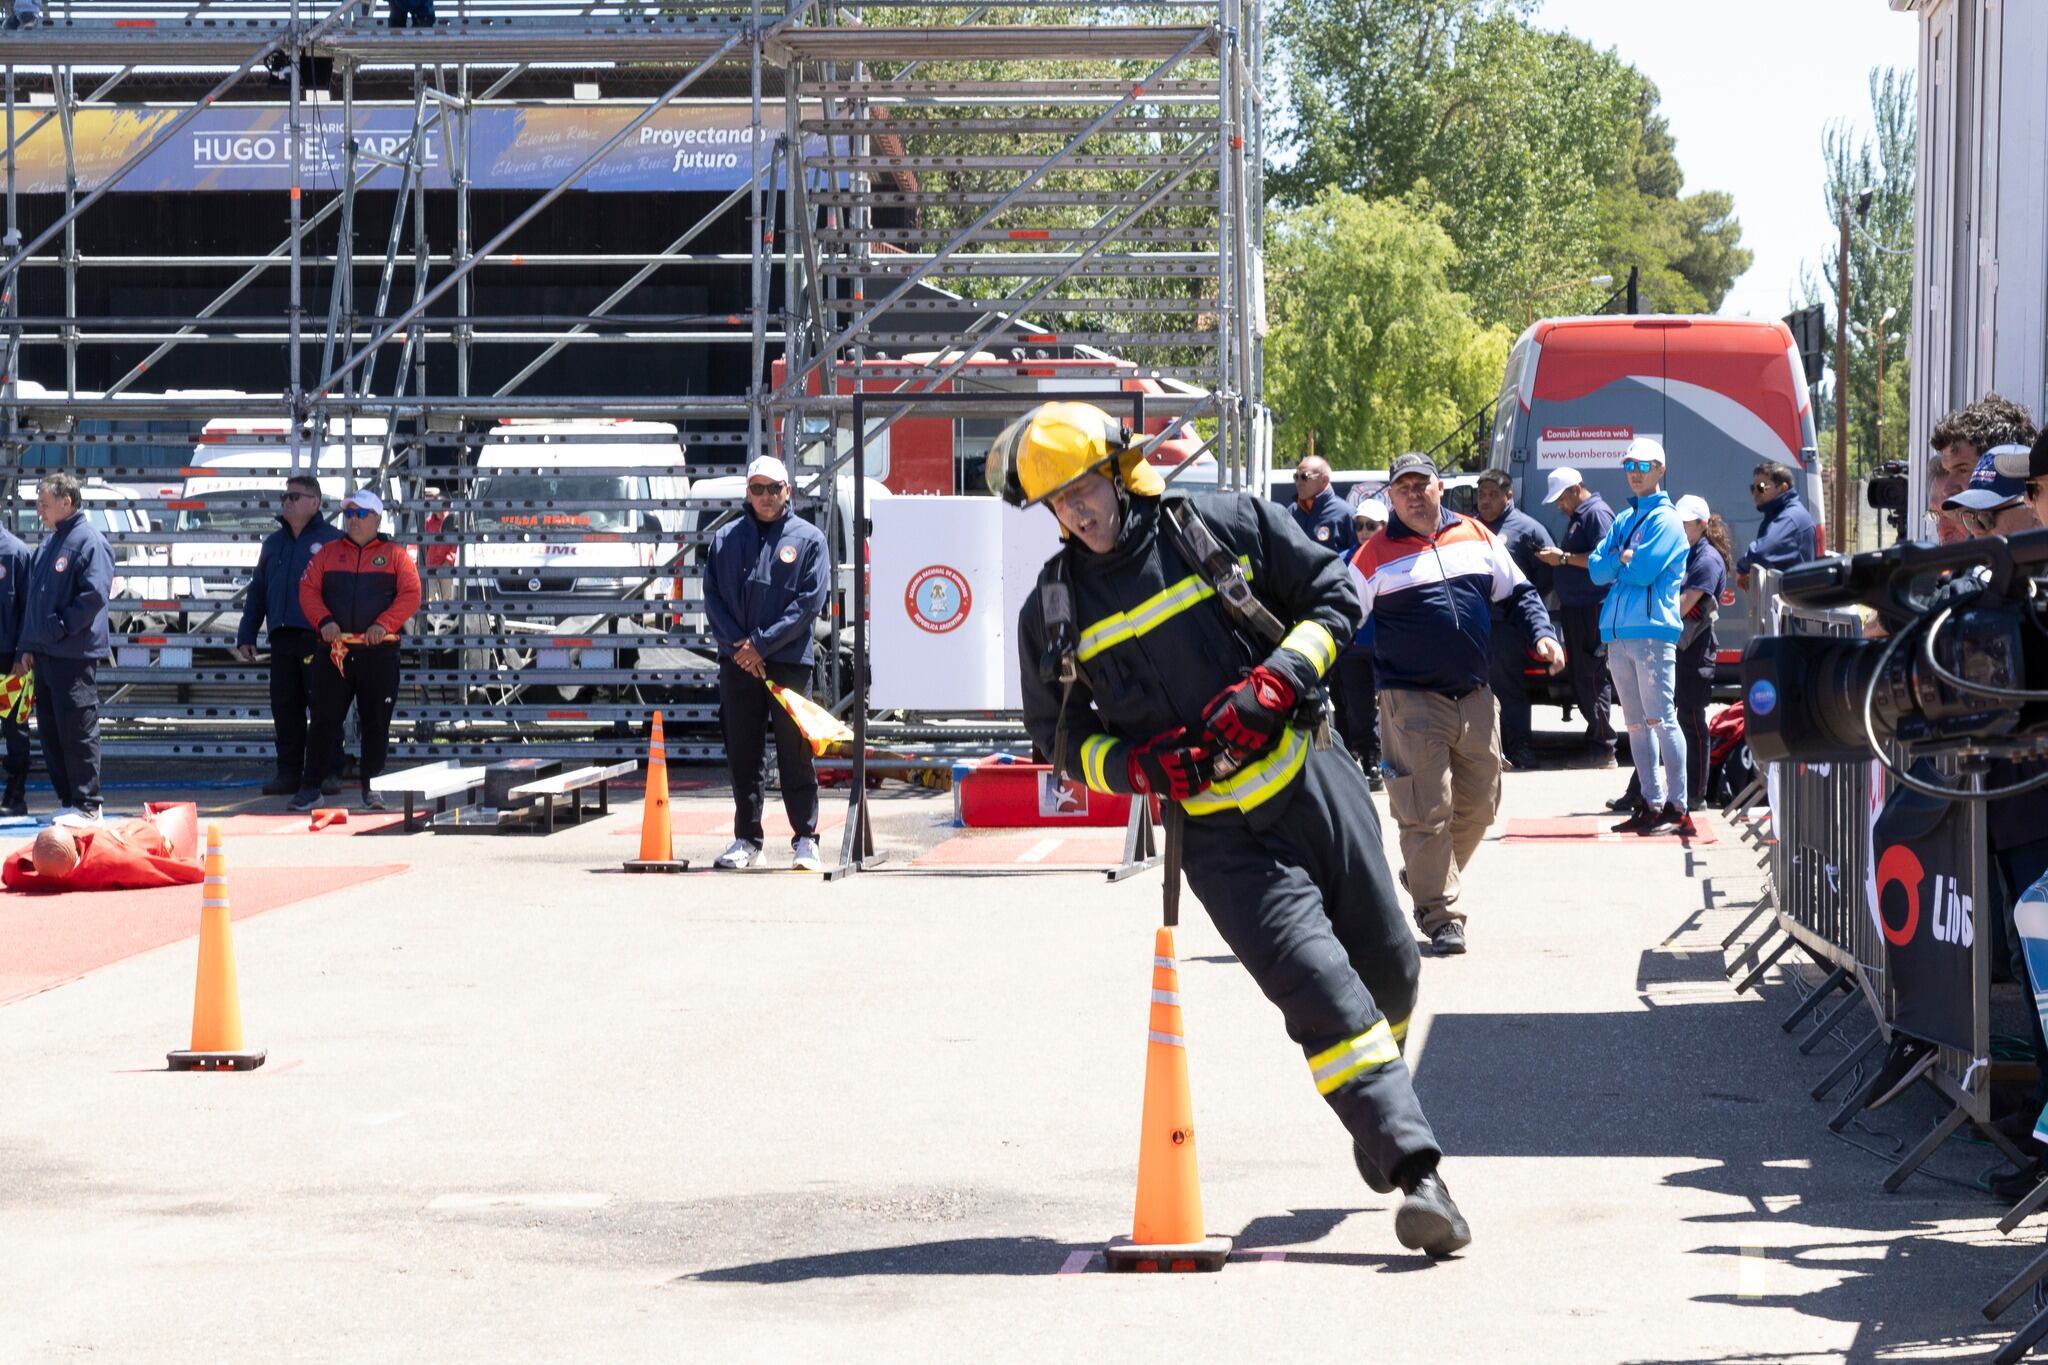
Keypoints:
pixel 1748 87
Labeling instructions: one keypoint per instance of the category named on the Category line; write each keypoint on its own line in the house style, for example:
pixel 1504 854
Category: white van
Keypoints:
pixel 242 459
pixel 558 488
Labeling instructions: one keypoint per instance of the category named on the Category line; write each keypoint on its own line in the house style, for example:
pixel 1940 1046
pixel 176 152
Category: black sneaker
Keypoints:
pixel 331 787
pixel 1640 821
pixel 1524 760
pixel 304 801
pixel 1904 1063
pixel 1428 1219
pixel 1448 940
pixel 1667 820
pixel 281 786
pixel 1377 1183
pixel 1628 800
pixel 2009 1187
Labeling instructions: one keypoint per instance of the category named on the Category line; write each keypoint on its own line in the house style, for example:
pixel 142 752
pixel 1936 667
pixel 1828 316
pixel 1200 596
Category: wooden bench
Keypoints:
pixel 431 782
pixel 573 785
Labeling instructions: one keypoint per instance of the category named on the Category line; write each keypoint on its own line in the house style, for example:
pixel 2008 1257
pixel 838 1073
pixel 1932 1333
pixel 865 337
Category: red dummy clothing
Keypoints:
pixel 160 849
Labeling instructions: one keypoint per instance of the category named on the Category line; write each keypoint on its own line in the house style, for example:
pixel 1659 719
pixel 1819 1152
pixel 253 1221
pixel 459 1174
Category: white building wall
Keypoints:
pixel 1980 270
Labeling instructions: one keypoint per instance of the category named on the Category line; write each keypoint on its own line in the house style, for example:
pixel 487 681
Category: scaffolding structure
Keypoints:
pixel 934 197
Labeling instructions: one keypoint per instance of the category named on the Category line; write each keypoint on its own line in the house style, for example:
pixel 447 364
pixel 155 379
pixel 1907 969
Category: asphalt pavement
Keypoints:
pixel 522 1105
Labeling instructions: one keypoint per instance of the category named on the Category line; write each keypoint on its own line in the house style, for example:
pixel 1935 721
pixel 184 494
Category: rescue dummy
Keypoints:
pixel 159 849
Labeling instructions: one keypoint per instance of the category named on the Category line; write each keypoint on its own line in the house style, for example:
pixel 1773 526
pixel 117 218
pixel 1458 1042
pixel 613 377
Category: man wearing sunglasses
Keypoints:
pixel 1643 562
pixel 294 644
pixel 764 585
pixel 1322 516
pixel 359 591
pixel 1788 534
pixel 1999 499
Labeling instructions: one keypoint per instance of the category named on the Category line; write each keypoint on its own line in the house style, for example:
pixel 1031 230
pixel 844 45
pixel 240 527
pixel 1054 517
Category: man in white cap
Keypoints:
pixel 1644 557
pixel 1588 518
pixel 358 592
pixel 764 584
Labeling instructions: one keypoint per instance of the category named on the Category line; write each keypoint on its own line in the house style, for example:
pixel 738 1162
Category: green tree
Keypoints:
pixel 1880 263
pixel 1686 248
pixel 1546 156
pixel 1372 350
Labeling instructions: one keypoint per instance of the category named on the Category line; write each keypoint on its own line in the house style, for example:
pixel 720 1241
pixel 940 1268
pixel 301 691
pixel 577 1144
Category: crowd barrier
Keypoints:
pixel 1811 827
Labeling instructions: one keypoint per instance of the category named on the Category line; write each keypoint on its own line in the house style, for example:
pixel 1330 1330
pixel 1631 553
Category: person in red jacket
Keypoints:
pixel 358 592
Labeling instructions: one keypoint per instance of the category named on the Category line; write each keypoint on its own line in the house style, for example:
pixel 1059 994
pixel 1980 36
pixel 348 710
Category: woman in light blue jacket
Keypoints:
pixel 1643 562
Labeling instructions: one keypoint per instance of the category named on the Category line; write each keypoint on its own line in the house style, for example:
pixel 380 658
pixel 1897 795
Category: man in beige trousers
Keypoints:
pixel 1427 582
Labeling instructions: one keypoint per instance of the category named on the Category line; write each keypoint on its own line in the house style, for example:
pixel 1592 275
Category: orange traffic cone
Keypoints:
pixel 1166 1230
pixel 216 999
pixel 657 851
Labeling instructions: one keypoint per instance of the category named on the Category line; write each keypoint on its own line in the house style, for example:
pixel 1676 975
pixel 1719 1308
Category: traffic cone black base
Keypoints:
pixel 1208 1254
pixel 215 1061
pixel 657 865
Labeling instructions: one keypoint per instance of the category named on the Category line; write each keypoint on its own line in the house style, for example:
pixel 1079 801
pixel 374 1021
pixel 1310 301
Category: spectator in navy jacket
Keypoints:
pixel 15 557
pixel 1322 516
pixel 765 585
pixel 1526 540
pixel 295 647
pixel 64 639
pixel 1427 583
pixel 1578 604
pixel 1788 534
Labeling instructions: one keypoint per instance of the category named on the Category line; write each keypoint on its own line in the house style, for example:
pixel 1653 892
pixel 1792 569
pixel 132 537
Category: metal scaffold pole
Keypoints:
pixel 956 202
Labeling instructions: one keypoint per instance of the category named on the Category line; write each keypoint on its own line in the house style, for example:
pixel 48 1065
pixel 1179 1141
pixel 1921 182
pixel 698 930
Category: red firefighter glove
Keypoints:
pixel 1170 766
pixel 1249 715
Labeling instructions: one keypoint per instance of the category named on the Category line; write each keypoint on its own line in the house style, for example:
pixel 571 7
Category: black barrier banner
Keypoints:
pixel 1921 848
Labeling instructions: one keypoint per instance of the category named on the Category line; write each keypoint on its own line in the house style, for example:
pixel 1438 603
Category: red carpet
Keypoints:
pixel 54 939
pixel 359 822
pixel 1099 849
pixel 1598 827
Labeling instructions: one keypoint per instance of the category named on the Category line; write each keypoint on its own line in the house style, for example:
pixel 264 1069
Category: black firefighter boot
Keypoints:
pixel 1428 1221
pixel 15 800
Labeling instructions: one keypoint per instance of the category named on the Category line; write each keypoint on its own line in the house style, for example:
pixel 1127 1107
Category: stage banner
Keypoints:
pixel 1926 911
pixel 246 147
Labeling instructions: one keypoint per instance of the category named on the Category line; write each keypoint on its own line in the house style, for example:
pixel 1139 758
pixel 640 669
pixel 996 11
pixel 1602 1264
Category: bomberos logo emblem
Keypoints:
pixel 63 563
pixel 1953 912
pixel 938 599
pixel 787 554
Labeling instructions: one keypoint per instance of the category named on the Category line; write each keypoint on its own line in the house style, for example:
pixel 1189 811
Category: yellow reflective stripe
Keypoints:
pixel 1095 751
pixel 1353 1056
pixel 1252 787
pixel 1148 615
pixel 1313 641
pixel 1400 1031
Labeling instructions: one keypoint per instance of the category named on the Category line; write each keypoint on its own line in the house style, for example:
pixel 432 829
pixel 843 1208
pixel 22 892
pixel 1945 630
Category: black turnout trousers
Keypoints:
pixel 1585 661
pixel 68 718
pixel 745 711
pixel 1307 905
pixel 370 680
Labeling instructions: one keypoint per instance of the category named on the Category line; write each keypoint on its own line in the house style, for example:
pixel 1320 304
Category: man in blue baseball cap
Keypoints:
pixel 1994 502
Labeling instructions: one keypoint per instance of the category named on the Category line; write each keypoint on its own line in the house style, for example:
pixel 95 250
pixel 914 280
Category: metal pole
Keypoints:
pixel 1838 502
pixel 295 360
pixel 65 116
pixel 532 211
pixel 10 283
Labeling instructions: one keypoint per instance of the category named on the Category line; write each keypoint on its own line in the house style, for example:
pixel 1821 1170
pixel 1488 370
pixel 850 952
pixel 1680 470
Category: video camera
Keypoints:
pixel 1962 668
pixel 1886 493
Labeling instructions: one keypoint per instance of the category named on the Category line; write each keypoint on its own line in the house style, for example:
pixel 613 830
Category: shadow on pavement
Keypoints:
pixel 1701 1075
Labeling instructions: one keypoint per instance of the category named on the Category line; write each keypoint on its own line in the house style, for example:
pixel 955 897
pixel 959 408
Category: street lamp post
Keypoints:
pixel 1838 503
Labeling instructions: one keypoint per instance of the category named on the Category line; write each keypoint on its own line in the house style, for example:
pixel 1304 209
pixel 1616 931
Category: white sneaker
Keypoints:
pixel 742 853
pixel 806 857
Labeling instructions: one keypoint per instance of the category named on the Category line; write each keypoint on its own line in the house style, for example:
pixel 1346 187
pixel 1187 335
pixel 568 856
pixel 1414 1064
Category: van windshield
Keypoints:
pixel 574 502
pixel 258 520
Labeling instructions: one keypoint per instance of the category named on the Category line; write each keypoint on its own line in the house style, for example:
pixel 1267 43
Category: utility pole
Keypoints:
pixel 1838 501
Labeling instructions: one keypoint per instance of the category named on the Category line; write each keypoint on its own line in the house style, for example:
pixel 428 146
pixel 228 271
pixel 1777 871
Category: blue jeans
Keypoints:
pixel 1645 679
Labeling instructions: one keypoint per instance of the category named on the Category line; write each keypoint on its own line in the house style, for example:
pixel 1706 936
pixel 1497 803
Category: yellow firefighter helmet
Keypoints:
pixel 1056 443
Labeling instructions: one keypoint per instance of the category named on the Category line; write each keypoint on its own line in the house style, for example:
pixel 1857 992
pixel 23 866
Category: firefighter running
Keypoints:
pixel 1148 667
